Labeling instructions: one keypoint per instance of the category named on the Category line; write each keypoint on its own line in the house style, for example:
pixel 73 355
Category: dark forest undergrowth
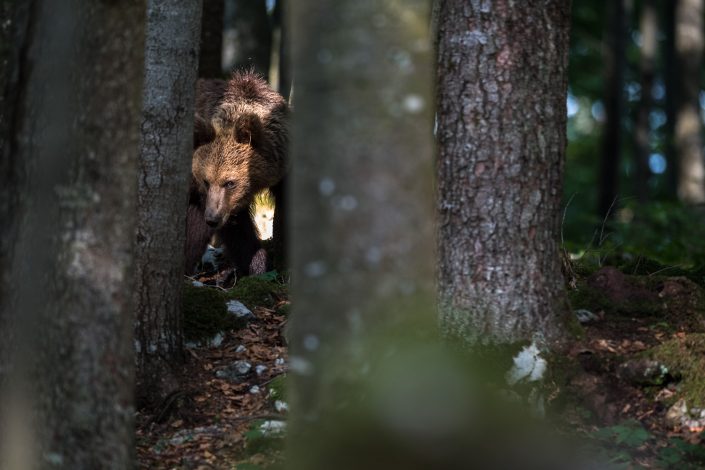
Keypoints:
pixel 630 389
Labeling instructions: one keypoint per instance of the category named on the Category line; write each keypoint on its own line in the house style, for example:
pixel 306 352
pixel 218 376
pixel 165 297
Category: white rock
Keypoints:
pixel 281 406
pixel 238 309
pixel 528 365
pixel 216 340
pixel 272 427
pixel 585 316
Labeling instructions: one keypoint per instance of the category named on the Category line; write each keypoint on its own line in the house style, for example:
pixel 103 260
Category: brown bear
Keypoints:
pixel 240 141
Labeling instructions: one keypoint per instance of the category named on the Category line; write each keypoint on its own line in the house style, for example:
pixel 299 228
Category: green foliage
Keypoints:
pixel 616 444
pixel 681 454
pixel 277 388
pixel 664 238
pixel 259 442
pixel 628 433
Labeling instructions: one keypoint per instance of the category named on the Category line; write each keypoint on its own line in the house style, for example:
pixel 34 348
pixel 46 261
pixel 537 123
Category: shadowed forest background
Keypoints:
pixel 484 248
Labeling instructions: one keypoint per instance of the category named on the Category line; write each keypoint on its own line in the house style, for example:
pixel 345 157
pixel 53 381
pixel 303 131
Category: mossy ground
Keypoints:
pixel 204 313
pixel 685 358
pixel 254 291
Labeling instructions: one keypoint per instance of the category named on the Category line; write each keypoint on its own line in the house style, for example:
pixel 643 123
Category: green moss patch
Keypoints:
pixel 685 359
pixel 205 313
pixel 254 291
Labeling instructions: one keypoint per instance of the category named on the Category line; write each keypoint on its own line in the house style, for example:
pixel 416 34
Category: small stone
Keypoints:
pixel 259 370
pixel 240 349
pixel 238 309
pixel 254 389
pixel 585 316
pixel 235 371
pixel 216 340
pixel 269 428
pixel 281 406
pixel 642 372
pixel 197 284
pixel 677 413
pixel 279 361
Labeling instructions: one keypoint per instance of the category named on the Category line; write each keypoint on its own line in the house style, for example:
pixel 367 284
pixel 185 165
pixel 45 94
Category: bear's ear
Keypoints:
pixel 203 132
pixel 249 130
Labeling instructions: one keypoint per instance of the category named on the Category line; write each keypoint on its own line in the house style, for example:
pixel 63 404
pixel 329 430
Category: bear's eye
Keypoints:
pixel 206 183
pixel 229 185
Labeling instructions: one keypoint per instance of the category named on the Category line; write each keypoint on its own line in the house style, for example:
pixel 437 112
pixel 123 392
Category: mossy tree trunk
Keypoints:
pixel 502 87
pixel 690 43
pixel 362 221
pixel 171 61
pixel 73 167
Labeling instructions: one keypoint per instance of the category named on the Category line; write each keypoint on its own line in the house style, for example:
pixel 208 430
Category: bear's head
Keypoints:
pixel 226 162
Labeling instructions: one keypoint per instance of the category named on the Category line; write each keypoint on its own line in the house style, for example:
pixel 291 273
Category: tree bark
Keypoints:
pixel 648 27
pixel 502 86
pixel 76 121
pixel 688 126
pixel 171 62
pixel 671 84
pixel 284 79
pixel 248 36
pixel 211 51
pixel 361 207
pixel 615 62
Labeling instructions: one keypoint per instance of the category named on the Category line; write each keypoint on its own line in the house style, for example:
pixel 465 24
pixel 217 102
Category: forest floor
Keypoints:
pixel 631 387
pixel 231 410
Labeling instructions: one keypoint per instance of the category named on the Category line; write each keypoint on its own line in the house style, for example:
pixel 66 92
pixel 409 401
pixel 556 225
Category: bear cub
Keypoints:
pixel 240 148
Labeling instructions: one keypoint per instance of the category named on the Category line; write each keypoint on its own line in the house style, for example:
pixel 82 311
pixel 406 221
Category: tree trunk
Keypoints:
pixel 211 51
pixel 648 27
pixel 362 220
pixel 671 84
pixel 615 62
pixel 502 86
pixel 284 79
pixel 14 18
pixel 76 125
pixel 171 61
pixel 248 36
pixel 688 126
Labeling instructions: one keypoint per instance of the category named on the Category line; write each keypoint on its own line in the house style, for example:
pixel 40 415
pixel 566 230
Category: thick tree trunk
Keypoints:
pixel 648 27
pixel 362 220
pixel 211 51
pixel 14 22
pixel 690 43
pixel 171 61
pixel 502 86
pixel 76 125
pixel 248 36
pixel 615 62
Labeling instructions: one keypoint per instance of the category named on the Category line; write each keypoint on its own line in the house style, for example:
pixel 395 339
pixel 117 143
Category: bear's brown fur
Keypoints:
pixel 240 140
